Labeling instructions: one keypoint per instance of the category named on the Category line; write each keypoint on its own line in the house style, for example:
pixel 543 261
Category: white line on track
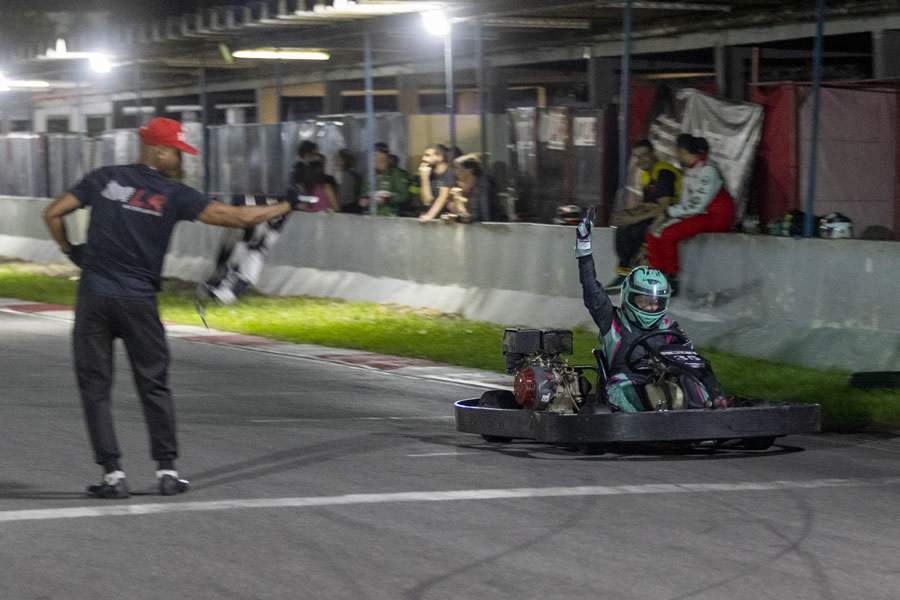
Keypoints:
pixel 124 509
pixel 430 454
pixel 302 419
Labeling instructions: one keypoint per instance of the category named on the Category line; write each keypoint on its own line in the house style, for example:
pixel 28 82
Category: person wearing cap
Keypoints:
pixel 704 206
pixel 134 209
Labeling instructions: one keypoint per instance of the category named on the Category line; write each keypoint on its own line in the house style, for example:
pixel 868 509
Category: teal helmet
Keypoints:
pixel 645 297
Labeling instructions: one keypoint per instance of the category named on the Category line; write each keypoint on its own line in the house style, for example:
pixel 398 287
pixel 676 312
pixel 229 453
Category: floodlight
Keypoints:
pixel 282 54
pixel 100 63
pixel 436 22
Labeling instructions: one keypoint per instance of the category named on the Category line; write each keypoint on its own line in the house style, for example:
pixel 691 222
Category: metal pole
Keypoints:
pixel 80 127
pixel 482 95
pixel 624 99
pixel 814 138
pixel 138 101
pixel 279 89
pixel 370 126
pixel 204 120
pixel 79 108
pixel 451 91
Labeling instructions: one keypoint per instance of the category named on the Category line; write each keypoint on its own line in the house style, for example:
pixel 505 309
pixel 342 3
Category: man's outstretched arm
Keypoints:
pixel 241 217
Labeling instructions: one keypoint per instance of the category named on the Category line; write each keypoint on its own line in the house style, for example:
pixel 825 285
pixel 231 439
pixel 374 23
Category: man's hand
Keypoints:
pixel 632 201
pixel 425 171
pixel 76 254
pixel 583 235
pixel 297 200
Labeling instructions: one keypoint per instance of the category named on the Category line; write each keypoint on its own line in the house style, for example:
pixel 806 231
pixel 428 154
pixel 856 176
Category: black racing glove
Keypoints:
pixel 76 254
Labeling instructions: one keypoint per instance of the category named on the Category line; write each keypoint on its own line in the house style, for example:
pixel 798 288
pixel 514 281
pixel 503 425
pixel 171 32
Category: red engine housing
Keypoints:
pixel 525 387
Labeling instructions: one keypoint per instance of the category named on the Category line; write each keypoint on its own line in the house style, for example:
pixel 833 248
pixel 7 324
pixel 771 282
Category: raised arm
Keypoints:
pixel 596 300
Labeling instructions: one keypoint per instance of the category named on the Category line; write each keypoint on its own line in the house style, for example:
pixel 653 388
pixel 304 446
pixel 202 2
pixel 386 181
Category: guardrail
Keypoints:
pixel 820 303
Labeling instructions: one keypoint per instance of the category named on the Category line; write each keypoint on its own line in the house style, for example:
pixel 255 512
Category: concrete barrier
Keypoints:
pixel 820 303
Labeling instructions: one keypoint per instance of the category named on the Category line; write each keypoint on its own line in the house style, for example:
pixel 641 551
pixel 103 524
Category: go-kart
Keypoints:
pixel 555 403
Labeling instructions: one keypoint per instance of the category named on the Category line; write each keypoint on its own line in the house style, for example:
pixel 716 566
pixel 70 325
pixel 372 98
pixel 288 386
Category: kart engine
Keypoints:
pixel 543 379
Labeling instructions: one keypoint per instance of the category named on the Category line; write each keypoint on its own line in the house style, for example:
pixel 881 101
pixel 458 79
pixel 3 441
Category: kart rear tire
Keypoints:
pixel 757 443
pixel 498 399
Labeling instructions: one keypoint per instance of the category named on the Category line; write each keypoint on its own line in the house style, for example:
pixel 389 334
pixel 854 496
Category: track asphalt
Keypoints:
pixel 322 473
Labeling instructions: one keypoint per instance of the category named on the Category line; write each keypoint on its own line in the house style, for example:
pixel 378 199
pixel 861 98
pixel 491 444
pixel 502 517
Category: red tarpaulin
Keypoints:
pixel 774 186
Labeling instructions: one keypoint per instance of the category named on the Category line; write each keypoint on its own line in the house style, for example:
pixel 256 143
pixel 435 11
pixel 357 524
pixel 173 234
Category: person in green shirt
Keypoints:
pixel 391 185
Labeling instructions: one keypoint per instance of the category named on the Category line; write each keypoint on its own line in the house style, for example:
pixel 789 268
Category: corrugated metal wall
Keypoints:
pixel 243 159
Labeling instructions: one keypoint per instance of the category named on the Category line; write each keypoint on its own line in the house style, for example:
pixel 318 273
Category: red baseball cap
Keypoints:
pixel 165 132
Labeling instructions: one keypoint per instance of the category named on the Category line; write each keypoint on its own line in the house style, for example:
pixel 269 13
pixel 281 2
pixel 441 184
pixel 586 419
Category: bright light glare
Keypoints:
pixel 282 54
pixel 100 63
pixel 436 22
pixel 10 84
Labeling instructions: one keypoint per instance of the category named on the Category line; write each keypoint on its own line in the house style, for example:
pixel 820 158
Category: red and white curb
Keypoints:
pixel 397 365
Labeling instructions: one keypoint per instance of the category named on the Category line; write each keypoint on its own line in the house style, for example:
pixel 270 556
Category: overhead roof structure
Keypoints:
pixel 170 40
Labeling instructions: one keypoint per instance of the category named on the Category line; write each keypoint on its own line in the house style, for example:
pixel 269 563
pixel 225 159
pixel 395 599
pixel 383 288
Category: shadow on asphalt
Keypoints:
pixel 536 451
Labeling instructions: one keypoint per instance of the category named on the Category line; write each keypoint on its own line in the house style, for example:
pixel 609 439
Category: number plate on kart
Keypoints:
pixel 684 356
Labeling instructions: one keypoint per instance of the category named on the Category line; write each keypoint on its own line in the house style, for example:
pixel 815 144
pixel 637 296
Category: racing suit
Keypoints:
pixel 616 335
pixel 239 265
pixel 705 206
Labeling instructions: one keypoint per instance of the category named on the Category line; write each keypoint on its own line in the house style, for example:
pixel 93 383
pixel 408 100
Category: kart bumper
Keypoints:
pixel 656 426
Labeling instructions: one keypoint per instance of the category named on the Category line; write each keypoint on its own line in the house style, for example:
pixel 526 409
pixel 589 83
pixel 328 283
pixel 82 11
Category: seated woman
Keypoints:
pixel 704 206
pixel 315 187
pixel 643 307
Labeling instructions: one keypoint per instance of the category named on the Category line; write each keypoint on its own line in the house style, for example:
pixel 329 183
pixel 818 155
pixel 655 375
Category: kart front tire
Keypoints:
pixel 498 399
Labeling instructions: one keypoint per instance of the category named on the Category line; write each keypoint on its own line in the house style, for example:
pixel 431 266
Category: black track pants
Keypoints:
pixel 628 242
pixel 99 320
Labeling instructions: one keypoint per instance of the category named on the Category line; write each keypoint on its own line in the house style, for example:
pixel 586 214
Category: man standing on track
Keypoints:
pixel 134 209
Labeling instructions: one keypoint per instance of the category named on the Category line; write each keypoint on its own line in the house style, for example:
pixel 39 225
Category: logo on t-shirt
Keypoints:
pixel 134 199
pixel 117 192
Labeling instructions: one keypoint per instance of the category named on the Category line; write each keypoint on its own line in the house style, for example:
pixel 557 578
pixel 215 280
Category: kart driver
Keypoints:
pixel 644 302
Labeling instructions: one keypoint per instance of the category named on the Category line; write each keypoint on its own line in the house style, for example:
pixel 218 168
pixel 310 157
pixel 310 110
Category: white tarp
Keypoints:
pixel 733 130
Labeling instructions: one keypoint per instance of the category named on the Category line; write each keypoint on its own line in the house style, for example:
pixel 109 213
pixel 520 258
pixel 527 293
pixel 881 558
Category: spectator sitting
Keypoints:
pixel 349 182
pixel 306 152
pixel 473 198
pixel 411 208
pixel 314 182
pixel 660 185
pixel 704 206
pixel 436 179
pixel 391 186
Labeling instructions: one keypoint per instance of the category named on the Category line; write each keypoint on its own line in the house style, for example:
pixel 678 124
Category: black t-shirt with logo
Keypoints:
pixel 133 212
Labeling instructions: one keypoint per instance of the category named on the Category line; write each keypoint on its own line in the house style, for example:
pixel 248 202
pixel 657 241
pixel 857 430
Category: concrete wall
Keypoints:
pixel 812 302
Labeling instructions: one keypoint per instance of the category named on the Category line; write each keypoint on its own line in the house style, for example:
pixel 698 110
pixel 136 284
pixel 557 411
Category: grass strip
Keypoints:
pixel 428 334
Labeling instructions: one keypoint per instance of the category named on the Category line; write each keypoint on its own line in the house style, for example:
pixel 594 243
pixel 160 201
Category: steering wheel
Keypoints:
pixel 643 342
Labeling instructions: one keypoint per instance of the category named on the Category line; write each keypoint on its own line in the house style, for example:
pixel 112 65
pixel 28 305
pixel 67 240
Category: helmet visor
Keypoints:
pixel 649 304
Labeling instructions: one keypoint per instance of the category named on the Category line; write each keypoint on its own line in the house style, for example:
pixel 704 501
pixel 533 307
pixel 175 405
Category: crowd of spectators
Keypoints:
pixel 665 205
pixel 448 186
